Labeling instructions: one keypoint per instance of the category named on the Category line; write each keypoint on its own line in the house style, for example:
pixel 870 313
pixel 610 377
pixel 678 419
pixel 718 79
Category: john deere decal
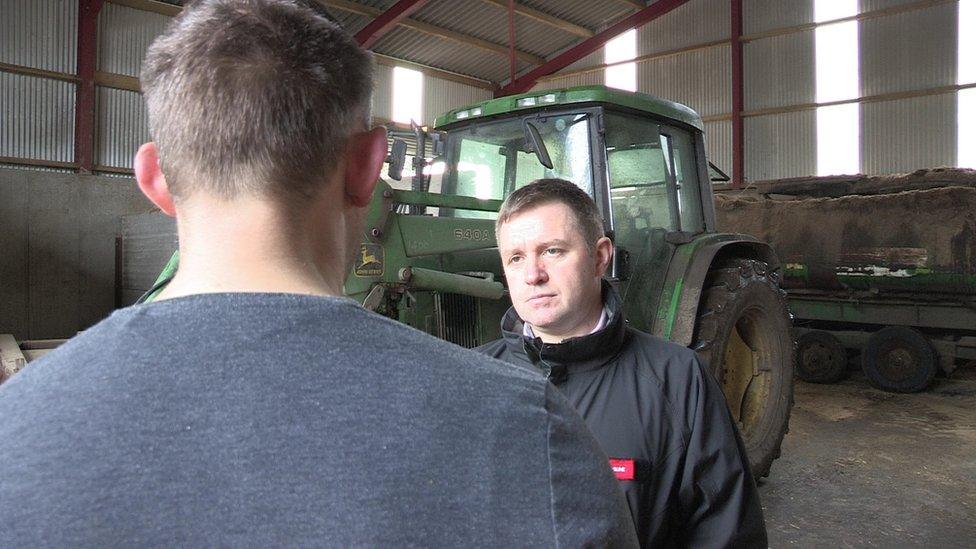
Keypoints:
pixel 370 260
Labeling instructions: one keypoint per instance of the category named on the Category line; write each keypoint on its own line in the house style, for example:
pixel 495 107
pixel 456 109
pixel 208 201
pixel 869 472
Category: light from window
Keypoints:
pixel 837 62
pixel 408 95
pixel 829 10
pixel 966 153
pixel 966 74
pixel 838 139
pixel 621 48
pixel 838 74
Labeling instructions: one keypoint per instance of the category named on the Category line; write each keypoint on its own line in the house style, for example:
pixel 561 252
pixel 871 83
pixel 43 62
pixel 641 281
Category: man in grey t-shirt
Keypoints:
pixel 251 406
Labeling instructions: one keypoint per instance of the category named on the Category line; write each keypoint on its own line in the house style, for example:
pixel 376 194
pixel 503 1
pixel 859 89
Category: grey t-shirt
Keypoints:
pixel 277 419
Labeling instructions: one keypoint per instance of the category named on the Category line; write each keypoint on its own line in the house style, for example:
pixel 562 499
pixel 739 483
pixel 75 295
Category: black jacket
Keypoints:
pixel 662 419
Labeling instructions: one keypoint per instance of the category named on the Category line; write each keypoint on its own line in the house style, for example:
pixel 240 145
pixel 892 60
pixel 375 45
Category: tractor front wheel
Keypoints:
pixel 743 334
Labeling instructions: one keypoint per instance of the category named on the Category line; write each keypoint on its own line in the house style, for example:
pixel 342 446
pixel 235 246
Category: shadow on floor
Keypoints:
pixel 862 467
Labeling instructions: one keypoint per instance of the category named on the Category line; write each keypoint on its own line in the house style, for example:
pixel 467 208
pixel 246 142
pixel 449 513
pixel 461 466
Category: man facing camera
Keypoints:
pixel 251 405
pixel 656 411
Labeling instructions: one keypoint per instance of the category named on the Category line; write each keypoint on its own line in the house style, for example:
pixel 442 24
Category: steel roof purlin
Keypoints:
pixel 590 45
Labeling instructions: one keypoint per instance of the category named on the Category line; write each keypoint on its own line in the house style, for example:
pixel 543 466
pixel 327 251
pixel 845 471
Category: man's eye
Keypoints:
pixel 554 251
pixel 515 259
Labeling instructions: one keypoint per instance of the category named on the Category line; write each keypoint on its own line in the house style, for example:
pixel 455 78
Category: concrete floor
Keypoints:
pixel 866 468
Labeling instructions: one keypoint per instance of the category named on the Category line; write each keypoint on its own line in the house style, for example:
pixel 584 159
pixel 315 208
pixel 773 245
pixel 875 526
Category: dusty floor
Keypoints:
pixel 861 467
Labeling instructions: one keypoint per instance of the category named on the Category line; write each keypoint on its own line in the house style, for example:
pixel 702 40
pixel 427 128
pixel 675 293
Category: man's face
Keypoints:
pixel 553 278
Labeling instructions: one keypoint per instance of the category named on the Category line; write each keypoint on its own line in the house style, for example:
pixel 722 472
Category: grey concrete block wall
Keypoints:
pixel 57 249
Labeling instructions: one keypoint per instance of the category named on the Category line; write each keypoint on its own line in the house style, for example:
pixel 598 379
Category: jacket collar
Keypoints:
pixel 581 353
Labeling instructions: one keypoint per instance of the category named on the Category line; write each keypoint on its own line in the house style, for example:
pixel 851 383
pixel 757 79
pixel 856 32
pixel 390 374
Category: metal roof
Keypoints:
pixel 470 37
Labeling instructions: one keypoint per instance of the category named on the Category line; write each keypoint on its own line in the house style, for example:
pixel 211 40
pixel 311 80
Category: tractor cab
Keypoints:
pixel 639 157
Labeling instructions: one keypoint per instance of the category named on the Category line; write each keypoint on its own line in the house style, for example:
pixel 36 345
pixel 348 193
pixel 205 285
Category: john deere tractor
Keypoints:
pixel 430 259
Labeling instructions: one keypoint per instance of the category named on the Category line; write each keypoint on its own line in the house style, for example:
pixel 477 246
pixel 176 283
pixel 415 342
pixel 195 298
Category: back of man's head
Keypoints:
pixel 254 97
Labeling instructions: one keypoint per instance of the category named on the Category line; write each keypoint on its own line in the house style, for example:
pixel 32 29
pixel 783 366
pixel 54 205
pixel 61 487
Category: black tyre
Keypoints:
pixel 900 360
pixel 743 333
pixel 820 358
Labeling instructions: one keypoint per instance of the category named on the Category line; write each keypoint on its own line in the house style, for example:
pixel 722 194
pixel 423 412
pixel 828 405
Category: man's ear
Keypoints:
pixel 364 156
pixel 603 255
pixel 151 180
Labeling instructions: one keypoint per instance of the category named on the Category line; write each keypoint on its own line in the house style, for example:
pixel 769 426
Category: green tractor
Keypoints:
pixel 430 259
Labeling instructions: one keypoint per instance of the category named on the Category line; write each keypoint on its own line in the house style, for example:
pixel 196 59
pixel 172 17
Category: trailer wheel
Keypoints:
pixel 743 334
pixel 900 360
pixel 820 358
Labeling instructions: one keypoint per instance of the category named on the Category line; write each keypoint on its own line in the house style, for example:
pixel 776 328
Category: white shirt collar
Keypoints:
pixel 601 324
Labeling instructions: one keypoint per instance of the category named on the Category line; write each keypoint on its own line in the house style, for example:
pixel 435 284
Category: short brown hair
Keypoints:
pixel 588 221
pixel 254 97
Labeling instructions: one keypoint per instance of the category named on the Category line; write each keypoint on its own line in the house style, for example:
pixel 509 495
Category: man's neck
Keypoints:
pixel 590 325
pixel 249 246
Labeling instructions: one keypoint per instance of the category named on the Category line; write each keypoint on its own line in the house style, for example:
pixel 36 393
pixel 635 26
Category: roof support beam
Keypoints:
pixel 387 21
pixel 544 17
pixel 512 63
pixel 433 30
pixel 153 6
pixel 589 46
pixel 738 135
pixel 85 91
pixel 636 4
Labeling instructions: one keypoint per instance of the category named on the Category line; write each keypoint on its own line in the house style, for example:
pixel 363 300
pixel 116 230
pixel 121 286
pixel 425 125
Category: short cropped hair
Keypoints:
pixel 587 217
pixel 254 97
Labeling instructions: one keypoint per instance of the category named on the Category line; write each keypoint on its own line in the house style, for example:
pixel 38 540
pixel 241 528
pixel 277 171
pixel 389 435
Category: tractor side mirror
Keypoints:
pixel 396 159
pixel 535 143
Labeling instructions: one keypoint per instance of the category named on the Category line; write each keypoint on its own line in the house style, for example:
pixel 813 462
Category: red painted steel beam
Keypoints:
pixel 512 66
pixel 85 92
pixel 589 46
pixel 738 94
pixel 386 21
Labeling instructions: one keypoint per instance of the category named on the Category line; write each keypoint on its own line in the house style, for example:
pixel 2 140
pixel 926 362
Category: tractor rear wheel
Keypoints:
pixel 743 334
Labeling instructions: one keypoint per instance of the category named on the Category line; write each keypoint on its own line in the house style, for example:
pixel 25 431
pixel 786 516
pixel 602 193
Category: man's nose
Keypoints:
pixel 535 272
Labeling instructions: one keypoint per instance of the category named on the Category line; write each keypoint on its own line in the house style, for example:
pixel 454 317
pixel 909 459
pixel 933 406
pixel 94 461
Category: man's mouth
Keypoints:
pixel 539 297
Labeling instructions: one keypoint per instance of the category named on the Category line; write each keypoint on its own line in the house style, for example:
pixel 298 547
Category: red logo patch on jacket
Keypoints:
pixel 624 469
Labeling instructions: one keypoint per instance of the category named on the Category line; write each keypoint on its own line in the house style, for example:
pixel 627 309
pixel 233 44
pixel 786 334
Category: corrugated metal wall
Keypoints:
pixel 383 92
pixel 38 118
pixel 124 35
pixel 691 24
pixel 910 50
pixel 766 15
pixel 779 71
pixel 908 134
pixel 442 95
pixel 718 144
pixel 907 52
pixel 585 79
pixel 701 79
pixel 783 145
pixel 42 34
pixel 123 125
pixel 38 113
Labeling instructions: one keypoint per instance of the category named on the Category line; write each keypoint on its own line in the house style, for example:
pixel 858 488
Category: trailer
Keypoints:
pixel 881 266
